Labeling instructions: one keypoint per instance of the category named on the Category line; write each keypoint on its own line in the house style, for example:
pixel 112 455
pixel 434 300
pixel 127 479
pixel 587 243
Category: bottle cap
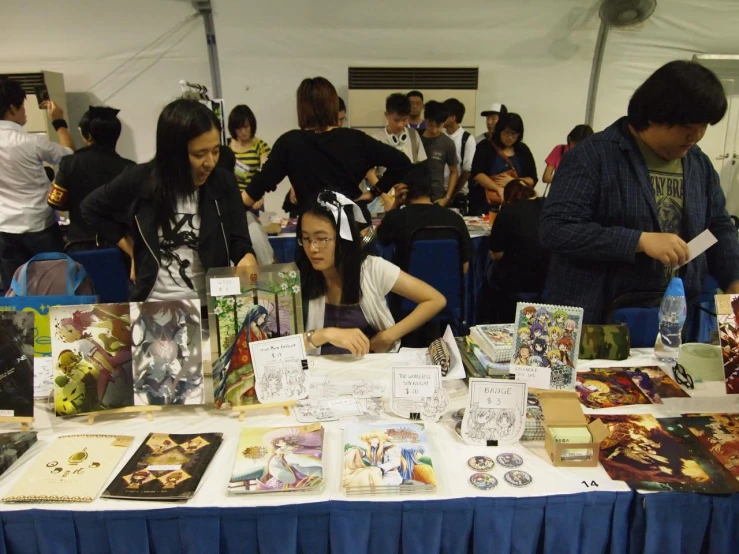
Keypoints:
pixel 675 288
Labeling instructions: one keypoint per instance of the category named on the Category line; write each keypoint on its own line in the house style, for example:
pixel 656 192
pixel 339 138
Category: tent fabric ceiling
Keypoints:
pixel 534 55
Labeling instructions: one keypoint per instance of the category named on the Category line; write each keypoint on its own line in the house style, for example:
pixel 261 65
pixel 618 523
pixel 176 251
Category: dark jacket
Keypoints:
pixel 126 206
pixel 600 202
pixel 485 155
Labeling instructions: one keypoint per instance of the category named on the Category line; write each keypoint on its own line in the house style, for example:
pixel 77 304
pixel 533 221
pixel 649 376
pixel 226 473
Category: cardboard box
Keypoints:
pixel 562 409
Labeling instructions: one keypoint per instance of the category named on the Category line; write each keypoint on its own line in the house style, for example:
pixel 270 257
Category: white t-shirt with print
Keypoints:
pixel 181 274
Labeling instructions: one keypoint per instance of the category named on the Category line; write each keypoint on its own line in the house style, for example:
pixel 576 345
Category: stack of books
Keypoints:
pixel 496 341
pixel 387 459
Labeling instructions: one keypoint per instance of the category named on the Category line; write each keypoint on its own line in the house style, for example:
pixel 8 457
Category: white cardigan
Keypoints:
pixel 377 279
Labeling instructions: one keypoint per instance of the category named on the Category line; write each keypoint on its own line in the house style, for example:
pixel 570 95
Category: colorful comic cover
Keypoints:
pixel 91 352
pixel 387 458
pixel 646 456
pixel 495 340
pixel 548 336
pixel 727 313
pixel 165 467
pixel 719 434
pixel 286 459
pixel 655 383
pixel 16 364
pixel 167 353
pixel 268 305
pixel 608 388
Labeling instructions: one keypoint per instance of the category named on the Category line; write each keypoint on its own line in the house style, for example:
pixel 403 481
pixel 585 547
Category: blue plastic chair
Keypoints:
pixel 107 269
pixel 640 313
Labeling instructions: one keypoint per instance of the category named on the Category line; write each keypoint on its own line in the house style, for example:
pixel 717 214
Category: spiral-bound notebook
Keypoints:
pixel 548 336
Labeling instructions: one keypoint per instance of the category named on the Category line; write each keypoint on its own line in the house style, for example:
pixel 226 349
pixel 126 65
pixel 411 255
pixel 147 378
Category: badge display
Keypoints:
pixel 518 478
pixel 508 459
pixel 483 481
pixel 481 463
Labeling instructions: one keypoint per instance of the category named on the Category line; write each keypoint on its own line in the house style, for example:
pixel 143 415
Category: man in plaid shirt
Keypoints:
pixel 625 202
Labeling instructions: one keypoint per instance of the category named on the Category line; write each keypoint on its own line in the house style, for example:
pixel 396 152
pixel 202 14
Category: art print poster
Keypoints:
pixel 279 368
pixel 496 411
pixel 73 468
pixel 655 384
pixel 548 336
pixel 16 364
pixel 607 388
pixel 719 435
pixel 245 307
pixel 286 459
pixel 167 353
pixel 91 353
pixel 727 313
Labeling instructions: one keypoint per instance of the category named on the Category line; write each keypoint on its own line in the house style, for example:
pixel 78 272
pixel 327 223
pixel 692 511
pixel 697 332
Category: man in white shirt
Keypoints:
pixel 492 115
pixel 465 144
pixel 28 226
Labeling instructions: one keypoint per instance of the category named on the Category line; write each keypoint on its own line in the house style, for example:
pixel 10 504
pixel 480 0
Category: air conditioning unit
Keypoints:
pixel 369 86
pixel 38 121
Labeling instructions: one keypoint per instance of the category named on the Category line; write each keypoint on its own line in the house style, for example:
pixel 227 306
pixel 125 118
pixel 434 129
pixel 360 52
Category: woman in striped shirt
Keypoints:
pixel 251 152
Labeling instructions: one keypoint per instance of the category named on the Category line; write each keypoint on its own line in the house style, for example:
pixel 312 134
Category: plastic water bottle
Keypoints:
pixel 672 313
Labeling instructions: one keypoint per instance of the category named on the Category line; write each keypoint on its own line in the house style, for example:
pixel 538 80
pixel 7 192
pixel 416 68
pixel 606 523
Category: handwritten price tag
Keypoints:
pixel 498 393
pixel 225 286
pixel 534 377
pixel 415 382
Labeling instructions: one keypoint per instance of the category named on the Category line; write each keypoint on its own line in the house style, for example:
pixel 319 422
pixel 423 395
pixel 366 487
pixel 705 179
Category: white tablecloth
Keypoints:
pixel 449 453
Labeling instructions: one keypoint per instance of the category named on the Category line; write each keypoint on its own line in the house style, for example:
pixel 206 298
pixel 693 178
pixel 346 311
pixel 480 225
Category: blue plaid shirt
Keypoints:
pixel 600 202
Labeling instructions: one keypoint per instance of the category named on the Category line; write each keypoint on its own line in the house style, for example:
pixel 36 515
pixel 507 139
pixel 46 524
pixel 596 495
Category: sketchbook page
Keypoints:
pixel 360 388
pixel 91 349
pixel 16 364
pixel 548 336
pixel 326 409
pixel 417 392
pixel 244 307
pixel 496 411
pixel 43 377
pixel 73 468
pixel 279 368
pixel 167 360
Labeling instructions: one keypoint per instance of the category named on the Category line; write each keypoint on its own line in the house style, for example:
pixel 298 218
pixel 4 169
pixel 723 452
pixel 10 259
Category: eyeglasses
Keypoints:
pixel 319 244
pixel 510 134
pixel 684 378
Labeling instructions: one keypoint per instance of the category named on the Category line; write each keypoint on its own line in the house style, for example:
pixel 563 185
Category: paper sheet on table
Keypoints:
pixel 700 244
pixel 420 356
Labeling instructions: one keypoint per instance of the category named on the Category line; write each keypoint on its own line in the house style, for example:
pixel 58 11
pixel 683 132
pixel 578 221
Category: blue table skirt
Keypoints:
pixel 592 523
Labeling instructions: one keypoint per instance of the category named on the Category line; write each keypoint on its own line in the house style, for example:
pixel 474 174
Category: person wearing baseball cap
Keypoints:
pixel 491 115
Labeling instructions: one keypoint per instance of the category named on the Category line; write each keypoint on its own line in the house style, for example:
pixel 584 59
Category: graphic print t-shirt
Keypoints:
pixel 181 275
pixel 667 183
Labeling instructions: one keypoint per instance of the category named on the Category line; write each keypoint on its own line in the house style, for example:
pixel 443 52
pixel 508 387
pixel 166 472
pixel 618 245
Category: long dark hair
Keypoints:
pixel 517 190
pixel 179 123
pixel 348 256
pixel 510 121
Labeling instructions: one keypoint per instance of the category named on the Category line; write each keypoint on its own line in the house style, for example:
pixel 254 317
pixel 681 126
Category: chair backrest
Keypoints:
pixel 107 269
pixel 640 312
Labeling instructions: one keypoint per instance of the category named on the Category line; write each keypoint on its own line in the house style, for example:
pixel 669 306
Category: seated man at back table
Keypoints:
pixel 420 212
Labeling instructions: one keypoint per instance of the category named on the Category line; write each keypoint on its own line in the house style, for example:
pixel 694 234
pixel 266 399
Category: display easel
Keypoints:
pixel 148 410
pixel 24 421
pixel 242 410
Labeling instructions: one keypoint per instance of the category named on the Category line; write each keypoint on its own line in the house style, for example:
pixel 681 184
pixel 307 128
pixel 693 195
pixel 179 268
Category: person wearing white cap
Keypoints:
pixel 491 115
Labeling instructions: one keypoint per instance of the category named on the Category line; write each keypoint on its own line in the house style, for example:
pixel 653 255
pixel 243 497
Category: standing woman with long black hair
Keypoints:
pixel 176 216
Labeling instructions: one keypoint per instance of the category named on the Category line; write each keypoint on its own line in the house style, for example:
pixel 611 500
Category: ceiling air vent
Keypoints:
pixel 407 78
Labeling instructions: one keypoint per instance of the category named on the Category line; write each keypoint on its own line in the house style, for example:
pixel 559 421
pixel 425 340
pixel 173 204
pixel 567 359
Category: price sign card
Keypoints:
pixel 225 286
pixel 496 411
pixel 418 390
pixel 279 368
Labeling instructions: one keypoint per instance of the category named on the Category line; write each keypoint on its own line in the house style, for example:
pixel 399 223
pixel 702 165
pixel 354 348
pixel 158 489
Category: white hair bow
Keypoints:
pixel 345 231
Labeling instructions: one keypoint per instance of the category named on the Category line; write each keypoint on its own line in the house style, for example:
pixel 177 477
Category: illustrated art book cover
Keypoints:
pixel 719 435
pixel 165 467
pixel 91 353
pixel 495 340
pixel 727 313
pixel 285 459
pixel 246 307
pixel 387 458
pixel 646 456
pixel 548 336
pixel 607 388
pixel 167 353
pixel 13 446
pixel 73 468
pixel 16 364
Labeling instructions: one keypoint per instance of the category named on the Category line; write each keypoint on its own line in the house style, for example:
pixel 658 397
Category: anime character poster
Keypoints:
pixel 548 336
pixel 244 308
pixel 607 388
pixel 91 352
pixel 646 456
pixel 167 353
pixel 719 435
pixel 384 458
pixel 727 312
pixel 287 459
pixel 165 467
pixel 655 383
pixel 16 364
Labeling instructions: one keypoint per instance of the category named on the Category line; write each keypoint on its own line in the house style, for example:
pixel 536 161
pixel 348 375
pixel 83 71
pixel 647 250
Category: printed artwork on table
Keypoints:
pixel 91 353
pixel 16 364
pixel 387 456
pixel 278 460
pixel 279 368
pixel 548 336
pixel 608 388
pixel 495 411
pixel 655 383
pixel 719 434
pixel 167 353
pixel 246 307
pixel 646 456
pixel 417 392
pixel 727 312
pixel 13 446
